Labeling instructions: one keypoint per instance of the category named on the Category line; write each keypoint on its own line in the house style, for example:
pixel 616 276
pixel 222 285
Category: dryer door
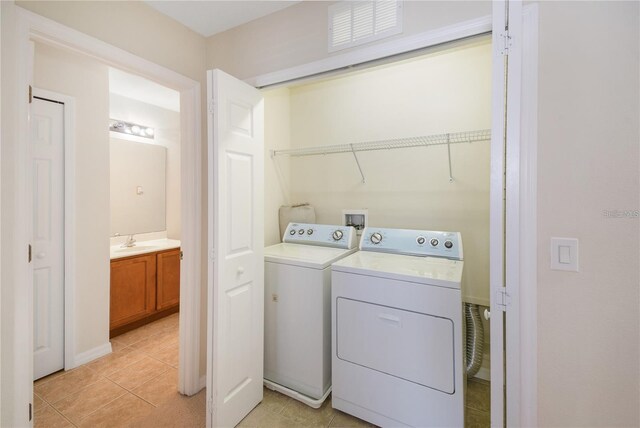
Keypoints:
pixel 408 345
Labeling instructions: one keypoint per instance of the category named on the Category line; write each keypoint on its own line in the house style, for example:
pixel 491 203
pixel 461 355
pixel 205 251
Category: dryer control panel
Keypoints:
pixel 325 235
pixel 412 242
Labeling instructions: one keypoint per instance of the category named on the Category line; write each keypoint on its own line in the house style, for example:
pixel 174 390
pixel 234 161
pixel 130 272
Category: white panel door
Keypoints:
pixel 236 241
pixel 47 150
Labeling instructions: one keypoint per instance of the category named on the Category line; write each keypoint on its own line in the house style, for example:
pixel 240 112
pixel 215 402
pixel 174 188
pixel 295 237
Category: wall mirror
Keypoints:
pixel 138 187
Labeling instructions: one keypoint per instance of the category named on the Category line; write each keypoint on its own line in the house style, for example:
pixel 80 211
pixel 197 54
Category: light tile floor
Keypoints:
pixel 136 386
pixel 129 383
pixel 277 410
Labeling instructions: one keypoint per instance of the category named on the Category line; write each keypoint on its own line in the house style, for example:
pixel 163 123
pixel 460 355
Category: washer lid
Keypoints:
pixel 304 255
pixel 424 270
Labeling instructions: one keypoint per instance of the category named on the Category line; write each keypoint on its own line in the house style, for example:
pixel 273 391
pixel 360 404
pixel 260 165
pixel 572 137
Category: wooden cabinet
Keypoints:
pixel 168 281
pixel 144 288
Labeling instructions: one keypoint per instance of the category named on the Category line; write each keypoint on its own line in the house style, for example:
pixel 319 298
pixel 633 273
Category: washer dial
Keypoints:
pixel 448 244
pixel 376 238
pixel 301 232
pixel 310 232
pixel 434 242
pixel 292 232
pixel 337 235
pixel 421 240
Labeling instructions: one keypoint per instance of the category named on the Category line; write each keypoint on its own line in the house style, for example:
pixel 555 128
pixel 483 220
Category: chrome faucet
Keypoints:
pixel 130 242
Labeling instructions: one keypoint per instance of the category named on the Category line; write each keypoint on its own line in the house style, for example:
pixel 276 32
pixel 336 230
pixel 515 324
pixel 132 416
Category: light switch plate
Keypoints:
pixel 564 254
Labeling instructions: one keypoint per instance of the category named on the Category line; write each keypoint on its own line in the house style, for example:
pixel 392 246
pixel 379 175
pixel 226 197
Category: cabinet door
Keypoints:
pixel 168 279
pixel 133 289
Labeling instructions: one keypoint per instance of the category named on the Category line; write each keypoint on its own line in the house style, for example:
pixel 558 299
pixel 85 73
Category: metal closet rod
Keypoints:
pixel 396 143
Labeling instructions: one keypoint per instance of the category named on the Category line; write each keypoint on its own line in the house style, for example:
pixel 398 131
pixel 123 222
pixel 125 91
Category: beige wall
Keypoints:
pixel 141 30
pixel 298 35
pixel 588 161
pixel 87 81
pixel 588 141
pixel 166 124
pixel 12 387
pixel 447 91
pixel 277 124
pixel 134 27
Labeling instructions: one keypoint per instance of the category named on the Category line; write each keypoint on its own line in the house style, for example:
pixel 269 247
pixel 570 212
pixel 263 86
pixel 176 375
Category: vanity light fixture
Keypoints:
pixel 131 128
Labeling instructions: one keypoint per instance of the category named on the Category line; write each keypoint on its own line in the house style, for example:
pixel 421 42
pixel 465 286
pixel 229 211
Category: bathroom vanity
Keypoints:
pixel 145 284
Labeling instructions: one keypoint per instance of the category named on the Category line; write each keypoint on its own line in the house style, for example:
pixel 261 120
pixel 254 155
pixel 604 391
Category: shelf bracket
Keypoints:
pixel 357 162
pixel 449 155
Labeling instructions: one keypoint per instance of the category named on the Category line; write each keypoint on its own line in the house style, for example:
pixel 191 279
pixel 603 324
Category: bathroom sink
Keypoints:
pixel 144 247
pixel 136 248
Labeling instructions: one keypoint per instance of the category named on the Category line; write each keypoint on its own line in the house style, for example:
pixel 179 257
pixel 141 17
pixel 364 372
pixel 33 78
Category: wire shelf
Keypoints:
pixel 397 143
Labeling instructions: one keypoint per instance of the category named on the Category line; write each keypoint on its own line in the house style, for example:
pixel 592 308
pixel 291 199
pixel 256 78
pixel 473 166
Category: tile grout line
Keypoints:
pixel 107 403
pixel 137 386
pixel 60 413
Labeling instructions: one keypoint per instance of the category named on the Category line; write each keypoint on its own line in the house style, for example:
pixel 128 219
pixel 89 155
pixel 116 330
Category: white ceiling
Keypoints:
pixel 143 90
pixel 211 17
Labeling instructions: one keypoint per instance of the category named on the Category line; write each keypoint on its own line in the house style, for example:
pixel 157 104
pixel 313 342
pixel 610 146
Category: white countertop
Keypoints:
pixel 143 247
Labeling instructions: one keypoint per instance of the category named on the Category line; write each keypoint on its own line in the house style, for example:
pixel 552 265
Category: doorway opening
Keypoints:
pixel 441 90
pixel 78 346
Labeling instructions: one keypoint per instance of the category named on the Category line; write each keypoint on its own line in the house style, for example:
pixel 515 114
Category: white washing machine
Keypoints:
pixel 297 335
pixel 397 329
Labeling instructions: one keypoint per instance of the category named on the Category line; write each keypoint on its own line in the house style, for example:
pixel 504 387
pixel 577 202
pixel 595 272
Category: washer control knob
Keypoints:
pixel 434 242
pixel 448 244
pixel 292 232
pixel 310 232
pixel 376 238
pixel 301 232
pixel 421 240
pixel 337 235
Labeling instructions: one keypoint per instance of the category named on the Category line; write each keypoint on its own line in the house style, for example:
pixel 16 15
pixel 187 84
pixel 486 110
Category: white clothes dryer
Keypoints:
pixel 397 329
pixel 297 336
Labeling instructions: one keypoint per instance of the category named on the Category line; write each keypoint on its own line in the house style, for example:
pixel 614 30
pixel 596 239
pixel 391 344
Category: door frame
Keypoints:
pixel 32 27
pixel 68 143
pixel 521 346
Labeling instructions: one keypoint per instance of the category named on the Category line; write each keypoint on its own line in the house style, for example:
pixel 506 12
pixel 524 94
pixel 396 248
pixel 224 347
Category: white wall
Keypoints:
pixel 166 124
pixel 447 91
pixel 87 81
pixel 588 148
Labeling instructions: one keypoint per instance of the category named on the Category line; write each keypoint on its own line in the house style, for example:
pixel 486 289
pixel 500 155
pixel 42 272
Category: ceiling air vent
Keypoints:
pixel 353 23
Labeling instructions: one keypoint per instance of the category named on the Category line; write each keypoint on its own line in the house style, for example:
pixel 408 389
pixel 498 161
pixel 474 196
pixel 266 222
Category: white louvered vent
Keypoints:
pixel 353 23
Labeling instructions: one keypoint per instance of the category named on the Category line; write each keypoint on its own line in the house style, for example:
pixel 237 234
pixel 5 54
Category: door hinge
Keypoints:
pixel 181 255
pixel 211 106
pixel 30 412
pixel 29 253
pixel 30 94
pixel 505 43
pixel 503 300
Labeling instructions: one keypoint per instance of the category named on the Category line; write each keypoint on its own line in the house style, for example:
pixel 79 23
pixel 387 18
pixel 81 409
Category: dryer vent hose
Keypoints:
pixel 475 338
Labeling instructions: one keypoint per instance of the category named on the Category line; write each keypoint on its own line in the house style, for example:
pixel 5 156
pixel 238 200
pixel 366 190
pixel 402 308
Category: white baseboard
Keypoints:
pixel 90 355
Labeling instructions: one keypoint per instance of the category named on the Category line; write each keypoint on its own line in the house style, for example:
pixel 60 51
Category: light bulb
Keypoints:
pixel 149 131
pixel 135 129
